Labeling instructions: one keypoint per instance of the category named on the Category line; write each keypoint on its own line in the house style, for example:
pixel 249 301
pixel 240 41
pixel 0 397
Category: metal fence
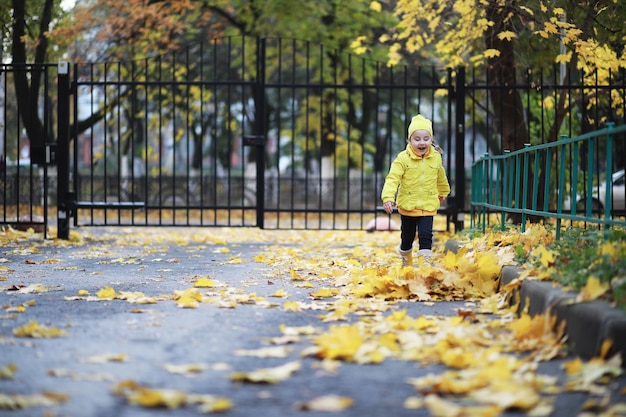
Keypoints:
pixel 553 181
pixel 244 131
pixel 271 133
pixel 27 185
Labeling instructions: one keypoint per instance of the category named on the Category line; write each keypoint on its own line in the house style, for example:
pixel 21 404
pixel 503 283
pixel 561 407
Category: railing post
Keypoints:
pixel 63 152
pixel 506 200
pixel 525 186
pixel 608 185
pixel 459 168
pixel 259 121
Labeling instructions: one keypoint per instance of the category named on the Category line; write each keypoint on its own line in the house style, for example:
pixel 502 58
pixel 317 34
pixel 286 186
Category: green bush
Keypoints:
pixel 582 254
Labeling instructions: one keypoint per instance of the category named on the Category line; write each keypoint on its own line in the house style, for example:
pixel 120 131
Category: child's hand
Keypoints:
pixel 442 199
pixel 388 206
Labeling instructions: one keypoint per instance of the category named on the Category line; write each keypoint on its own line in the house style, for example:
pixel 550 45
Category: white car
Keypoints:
pixel 599 195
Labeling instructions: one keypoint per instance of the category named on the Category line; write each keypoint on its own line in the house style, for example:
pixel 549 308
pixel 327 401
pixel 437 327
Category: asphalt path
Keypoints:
pixel 152 335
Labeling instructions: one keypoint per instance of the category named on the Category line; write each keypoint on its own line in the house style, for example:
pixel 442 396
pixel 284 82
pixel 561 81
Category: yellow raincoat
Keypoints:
pixel 415 182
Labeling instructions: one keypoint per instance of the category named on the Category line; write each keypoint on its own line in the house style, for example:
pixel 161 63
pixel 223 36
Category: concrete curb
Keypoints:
pixel 587 324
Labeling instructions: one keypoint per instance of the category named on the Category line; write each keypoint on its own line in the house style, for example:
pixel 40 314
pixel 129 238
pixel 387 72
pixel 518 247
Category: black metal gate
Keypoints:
pixel 243 131
pixel 27 187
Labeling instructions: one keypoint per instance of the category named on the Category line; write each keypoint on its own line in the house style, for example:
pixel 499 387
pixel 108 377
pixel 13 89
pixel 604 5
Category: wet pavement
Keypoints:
pixel 107 342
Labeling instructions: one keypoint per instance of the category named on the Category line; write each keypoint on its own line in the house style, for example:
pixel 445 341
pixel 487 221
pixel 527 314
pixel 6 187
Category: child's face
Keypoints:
pixel 420 141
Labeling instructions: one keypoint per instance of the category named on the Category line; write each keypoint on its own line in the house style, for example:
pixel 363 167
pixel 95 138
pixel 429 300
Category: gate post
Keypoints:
pixel 63 152
pixel 459 145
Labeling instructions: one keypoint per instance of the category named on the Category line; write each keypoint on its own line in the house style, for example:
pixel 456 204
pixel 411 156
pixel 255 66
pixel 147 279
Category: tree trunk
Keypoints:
pixel 28 94
pixel 507 103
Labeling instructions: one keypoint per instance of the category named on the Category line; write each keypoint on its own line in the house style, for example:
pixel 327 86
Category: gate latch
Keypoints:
pixel 254 140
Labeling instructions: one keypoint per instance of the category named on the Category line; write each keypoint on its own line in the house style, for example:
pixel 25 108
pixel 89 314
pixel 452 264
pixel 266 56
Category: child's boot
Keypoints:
pixel 406 255
pixel 427 254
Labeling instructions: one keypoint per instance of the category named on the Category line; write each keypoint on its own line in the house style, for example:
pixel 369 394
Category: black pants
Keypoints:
pixel 423 225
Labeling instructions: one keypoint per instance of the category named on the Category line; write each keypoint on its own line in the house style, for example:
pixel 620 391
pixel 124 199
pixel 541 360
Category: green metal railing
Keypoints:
pixel 559 180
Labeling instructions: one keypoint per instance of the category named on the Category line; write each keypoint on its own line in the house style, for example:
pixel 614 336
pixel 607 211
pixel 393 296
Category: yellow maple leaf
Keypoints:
pixel 281 293
pixel 325 293
pixel 339 342
pixel 545 256
pixel 291 306
pixel 188 298
pixel 36 330
pixel 592 290
pixel 457 358
pixel 149 397
pixel 106 293
pixel 204 283
pixel 506 34
pixel 491 53
pixel 609 248
pixel 563 58
pixel 295 276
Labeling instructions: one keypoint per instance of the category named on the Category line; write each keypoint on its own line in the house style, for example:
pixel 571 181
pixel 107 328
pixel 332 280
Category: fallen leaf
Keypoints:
pixel 191 369
pixel 35 330
pixel 107 357
pixel 7 371
pixel 33 289
pixel 327 403
pixel 592 290
pixel 21 401
pixel 268 352
pixel 204 283
pixel 150 397
pixel 106 293
pixel 267 375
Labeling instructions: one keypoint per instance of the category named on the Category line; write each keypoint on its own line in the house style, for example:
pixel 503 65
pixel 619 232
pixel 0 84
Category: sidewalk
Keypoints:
pixel 256 322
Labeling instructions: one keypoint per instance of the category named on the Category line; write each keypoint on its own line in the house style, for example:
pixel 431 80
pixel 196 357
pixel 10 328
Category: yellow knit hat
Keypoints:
pixel 419 122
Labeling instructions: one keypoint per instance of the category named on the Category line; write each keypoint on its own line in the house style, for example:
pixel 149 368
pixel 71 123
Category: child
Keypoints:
pixel 417 184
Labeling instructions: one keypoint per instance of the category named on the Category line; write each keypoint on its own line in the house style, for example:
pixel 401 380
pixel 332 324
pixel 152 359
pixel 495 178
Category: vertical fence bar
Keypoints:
pixel 608 185
pixel 591 145
pixel 459 146
pixel 63 152
pixel 561 189
pixel 485 190
pixel 505 186
pixel 574 189
pixel 536 164
pixel 260 130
